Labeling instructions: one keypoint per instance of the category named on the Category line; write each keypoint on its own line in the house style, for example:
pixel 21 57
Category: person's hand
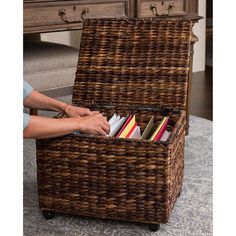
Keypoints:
pixel 94 124
pixel 73 112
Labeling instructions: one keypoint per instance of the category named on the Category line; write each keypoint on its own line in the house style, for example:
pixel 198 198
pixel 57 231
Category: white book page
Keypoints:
pixel 136 134
pixel 116 127
pixel 114 119
pixel 165 136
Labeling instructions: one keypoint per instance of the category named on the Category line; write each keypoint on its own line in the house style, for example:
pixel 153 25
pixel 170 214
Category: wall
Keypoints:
pixel 199 30
pixel 73 38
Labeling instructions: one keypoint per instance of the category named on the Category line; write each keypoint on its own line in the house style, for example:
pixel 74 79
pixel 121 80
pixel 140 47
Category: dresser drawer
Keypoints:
pixel 65 15
pixel 151 8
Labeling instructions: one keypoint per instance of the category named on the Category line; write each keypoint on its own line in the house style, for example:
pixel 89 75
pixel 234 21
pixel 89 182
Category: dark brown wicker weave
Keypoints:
pixel 143 61
pixel 122 63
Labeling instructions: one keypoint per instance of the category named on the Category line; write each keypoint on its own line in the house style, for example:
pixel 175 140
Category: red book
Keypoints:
pixel 161 131
pixel 131 131
pixel 123 127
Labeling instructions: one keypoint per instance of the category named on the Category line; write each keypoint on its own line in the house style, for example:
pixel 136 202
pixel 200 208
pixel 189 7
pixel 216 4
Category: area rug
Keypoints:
pixel 191 216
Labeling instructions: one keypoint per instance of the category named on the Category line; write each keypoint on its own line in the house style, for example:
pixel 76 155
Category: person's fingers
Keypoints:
pixel 88 111
pixel 105 128
pixel 85 112
pixel 103 118
pixel 97 115
pixel 95 112
pixel 102 132
pixel 105 123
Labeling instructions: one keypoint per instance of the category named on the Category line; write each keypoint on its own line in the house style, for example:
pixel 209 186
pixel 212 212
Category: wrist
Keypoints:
pixel 71 124
pixel 64 108
pixel 78 124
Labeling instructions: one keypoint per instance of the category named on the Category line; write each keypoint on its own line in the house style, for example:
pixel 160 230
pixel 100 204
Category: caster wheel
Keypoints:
pixel 179 193
pixel 48 215
pixel 154 228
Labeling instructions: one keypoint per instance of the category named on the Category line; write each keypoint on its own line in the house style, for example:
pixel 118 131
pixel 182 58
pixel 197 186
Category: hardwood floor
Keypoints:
pixel 201 98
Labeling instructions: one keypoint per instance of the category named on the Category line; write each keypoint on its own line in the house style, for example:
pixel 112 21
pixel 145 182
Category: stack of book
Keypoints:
pixel 126 127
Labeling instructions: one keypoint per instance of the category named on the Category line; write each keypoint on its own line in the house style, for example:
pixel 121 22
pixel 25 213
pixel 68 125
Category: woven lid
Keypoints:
pixel 139 61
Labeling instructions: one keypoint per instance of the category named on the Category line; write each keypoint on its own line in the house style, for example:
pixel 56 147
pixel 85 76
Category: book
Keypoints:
pixel 123 127
pixel 158 128
pixel 128 126
pixel 148 128
pixel 162 130
pixel 136 134
pixel 165 136
pixel 112 119
pixel 114 129
pixel 115 118
pixel 131 130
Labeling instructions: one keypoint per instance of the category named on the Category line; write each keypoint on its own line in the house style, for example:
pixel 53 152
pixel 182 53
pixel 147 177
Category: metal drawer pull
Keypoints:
pixel 62 13
pixel 153 8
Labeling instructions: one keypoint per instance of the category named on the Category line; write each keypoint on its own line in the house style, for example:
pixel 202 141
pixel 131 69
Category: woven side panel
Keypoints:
pixel 176 165
pixel 108 177
pixel 142 61
pixel 88 179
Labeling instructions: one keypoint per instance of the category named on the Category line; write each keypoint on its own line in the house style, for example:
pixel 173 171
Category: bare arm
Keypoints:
pixel 80 119
pixel 42 102
pixel 43 127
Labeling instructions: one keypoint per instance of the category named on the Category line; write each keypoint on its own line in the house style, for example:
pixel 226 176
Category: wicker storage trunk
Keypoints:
pixel 129 67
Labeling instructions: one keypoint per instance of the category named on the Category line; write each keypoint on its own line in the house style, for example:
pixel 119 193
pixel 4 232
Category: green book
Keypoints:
pixel 148 129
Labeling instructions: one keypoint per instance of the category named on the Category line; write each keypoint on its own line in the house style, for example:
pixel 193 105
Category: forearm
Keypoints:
pixel 43 127
pixel 40 101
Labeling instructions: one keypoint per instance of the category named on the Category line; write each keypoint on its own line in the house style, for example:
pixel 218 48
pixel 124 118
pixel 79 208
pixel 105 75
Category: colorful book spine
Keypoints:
pixel 131 130
pixel 159 128
pixel 129 125
pixel 161 131
pixel 123 127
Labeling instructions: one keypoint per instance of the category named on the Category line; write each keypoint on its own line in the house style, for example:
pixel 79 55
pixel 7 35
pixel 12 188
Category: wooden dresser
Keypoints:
pixel 59 15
